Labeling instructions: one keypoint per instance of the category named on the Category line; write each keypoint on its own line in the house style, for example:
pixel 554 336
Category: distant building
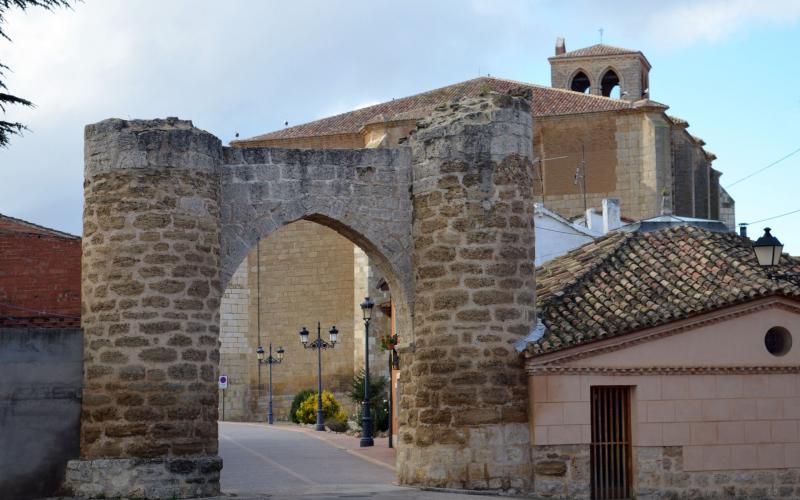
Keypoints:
pixel 664 366
pixel 596 116
pixel 40 276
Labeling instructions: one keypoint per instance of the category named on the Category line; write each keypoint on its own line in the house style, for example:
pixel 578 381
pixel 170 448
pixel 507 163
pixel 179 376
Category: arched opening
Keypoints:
pixel 581 83
pixel 311 270
pixel 610 85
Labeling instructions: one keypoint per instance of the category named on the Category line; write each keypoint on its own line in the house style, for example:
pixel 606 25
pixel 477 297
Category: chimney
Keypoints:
pixel 743 229
pixel 589 218
pixel 611 217
pixel 561 46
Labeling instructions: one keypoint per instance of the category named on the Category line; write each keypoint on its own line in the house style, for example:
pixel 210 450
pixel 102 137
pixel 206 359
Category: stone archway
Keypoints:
pixel 169 213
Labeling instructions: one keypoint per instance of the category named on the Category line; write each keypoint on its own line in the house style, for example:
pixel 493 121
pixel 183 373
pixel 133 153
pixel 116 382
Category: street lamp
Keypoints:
pixel 270 360
pixel 319 345
pixel 366 421
pixel 768 250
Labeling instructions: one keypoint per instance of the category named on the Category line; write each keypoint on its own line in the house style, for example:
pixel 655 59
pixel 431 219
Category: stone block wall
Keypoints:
pixel 630 69
pixel 236 353
pixel 306 277
pixel 683 165
pixel 151 294
pixel 463 405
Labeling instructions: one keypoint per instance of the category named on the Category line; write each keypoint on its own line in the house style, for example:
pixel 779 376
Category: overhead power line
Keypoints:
pixel 763 168
pixel 775 217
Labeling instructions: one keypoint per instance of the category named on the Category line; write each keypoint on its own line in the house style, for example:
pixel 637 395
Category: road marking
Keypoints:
pixel 269 460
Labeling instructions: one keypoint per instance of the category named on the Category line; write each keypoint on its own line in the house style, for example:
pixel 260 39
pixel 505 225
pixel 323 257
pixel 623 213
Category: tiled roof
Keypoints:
pixel 626 282
pixel 546 101
pixel 599 49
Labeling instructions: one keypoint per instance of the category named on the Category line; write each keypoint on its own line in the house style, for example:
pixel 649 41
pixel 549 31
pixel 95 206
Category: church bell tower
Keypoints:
pixel 601 70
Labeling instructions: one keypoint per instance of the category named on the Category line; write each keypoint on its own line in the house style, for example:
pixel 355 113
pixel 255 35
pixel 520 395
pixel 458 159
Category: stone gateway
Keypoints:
pixel 170 214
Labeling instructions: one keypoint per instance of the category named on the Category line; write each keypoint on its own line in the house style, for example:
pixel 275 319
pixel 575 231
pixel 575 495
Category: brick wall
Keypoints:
pixel 38 272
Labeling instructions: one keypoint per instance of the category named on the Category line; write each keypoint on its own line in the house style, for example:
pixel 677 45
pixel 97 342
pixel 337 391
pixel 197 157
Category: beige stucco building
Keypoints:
pixel 664 367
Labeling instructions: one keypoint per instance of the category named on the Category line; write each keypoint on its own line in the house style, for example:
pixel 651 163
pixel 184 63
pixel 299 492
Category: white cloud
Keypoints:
pixel 714 20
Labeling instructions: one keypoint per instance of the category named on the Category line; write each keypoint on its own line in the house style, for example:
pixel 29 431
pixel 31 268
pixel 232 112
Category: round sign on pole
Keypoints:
pixel 223 381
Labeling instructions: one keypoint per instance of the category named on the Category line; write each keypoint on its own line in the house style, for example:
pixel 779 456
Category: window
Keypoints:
pixel 609 85
pixel 581 83
pixel 611 442
pixel 778 341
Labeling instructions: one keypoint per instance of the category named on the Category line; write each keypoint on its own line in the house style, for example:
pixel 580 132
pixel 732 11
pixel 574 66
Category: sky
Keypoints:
pixel 728 67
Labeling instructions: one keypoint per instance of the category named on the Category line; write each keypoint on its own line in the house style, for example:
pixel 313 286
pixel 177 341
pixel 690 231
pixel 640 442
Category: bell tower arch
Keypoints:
pixel 601 70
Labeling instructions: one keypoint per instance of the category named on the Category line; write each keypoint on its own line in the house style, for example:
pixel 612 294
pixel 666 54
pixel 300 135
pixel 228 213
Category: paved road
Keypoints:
pixel 276 462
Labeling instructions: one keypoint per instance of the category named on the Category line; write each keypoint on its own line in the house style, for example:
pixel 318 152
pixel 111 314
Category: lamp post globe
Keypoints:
pixel 768 249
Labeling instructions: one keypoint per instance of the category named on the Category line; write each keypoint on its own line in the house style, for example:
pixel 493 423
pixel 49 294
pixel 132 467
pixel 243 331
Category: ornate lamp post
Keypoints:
pixel 768 250
pixel 366 421
pixel 319 345
pixel 270 360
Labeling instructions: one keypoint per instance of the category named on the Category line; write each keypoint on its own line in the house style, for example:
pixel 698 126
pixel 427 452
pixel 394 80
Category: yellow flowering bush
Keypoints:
pixel 331 409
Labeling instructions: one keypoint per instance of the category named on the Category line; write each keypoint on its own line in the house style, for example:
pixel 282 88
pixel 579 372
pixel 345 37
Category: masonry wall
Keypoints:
pixel 236 353
pixel 742 428
pixel 683 166
pixel 40 408
pixel 629 68
pixel 307 271
pixel 40 275
pixel 306 277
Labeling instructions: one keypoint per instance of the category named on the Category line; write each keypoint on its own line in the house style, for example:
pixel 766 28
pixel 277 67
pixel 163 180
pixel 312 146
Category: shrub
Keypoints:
pixel 379 406
pixel 298 399
pixel 307 412
pixel 337 423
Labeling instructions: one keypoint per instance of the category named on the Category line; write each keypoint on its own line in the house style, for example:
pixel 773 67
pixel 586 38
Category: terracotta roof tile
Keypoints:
pixel 596 50
pixel 624 282
pixel 546 101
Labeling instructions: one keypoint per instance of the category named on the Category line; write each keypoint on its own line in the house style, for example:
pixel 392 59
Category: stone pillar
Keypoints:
pixel 151 295
pixel 463 418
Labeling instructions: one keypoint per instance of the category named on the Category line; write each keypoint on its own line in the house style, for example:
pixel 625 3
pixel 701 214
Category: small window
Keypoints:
pixel 778 341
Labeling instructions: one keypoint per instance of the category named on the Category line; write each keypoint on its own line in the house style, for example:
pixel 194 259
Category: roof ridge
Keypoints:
pixel 53 232
pixel 556 89
pixel 382 103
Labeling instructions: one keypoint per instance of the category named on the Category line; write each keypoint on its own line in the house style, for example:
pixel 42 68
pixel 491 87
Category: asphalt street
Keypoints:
pixel 277 462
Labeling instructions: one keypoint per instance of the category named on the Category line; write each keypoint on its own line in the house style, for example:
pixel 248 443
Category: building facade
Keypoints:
pixel 40 276
pixel 664 367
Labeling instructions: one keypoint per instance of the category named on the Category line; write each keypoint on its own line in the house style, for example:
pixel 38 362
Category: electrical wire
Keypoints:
pixel 763 168
pixel 775 216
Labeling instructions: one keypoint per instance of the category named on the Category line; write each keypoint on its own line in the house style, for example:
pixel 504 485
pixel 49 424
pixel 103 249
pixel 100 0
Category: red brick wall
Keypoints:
pixel 40 274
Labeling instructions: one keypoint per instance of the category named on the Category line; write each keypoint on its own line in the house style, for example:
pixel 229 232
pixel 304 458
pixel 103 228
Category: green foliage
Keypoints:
pixel 10 128
pixel 379 406
pixel 298 399
pixel 307 412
